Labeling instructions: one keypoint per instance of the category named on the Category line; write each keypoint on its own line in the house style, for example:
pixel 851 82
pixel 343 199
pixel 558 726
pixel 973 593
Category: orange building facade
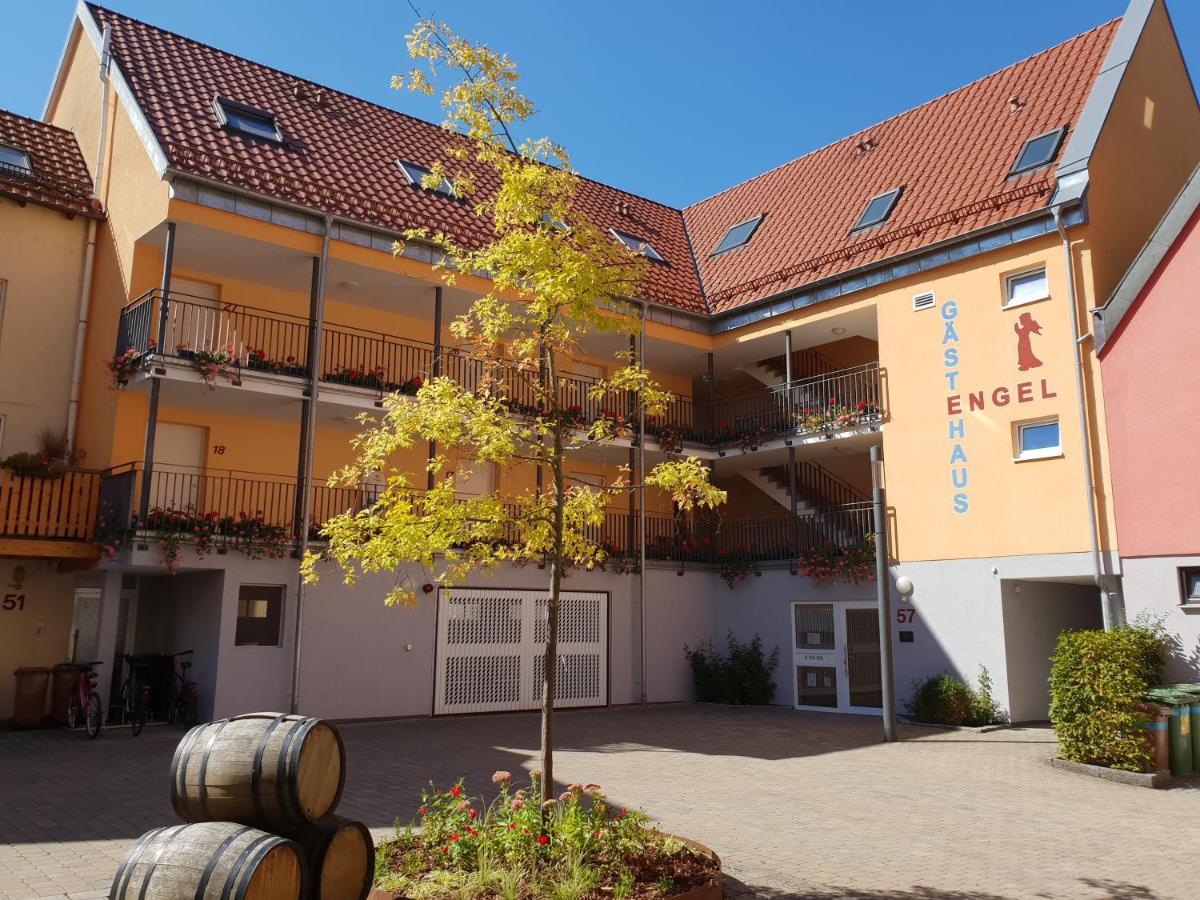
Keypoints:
pixel 923 286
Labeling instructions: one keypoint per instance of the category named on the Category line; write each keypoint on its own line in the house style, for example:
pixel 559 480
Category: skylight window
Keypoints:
pixel 738 235
pixel 1038 151
pixel 416 176
pixel 12 158
pixel 637 245
pixel 259 123
pixel 878 209
pixel 558 224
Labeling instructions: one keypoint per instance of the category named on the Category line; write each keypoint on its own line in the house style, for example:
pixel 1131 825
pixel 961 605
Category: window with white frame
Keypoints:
pixel 1189 585
pixel 260 615
pixel 1037 440
pixel 259 123
pixel 1029 286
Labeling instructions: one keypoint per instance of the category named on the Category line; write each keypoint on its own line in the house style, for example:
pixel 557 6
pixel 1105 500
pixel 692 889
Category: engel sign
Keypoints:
pixel 978 401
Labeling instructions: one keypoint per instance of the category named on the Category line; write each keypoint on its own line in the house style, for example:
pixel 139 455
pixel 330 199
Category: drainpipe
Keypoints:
pixel 309 437
pixel 89 250
pixel 642 511
pixel 1108 608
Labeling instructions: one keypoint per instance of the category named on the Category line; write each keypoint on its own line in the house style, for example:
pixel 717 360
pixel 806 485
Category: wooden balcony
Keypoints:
pixel 49 517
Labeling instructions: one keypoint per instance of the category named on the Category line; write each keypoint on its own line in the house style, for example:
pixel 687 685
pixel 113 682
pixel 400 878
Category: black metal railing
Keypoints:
pixel 258 340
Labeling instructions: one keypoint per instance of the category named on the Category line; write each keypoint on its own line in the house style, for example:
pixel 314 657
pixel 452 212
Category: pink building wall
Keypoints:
pixel 1151 369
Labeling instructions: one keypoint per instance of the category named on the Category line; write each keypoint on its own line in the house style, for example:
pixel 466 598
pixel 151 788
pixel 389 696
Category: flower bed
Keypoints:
pixel 575 846
pixel 844 565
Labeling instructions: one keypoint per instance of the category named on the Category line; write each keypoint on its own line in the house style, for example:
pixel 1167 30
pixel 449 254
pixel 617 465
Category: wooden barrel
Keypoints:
pixel 341 858
pixel 211 861
pixel 269 770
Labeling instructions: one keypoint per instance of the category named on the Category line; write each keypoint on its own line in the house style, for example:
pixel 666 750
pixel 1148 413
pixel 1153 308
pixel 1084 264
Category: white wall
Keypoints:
pixel 1151 584
pixel 1035 613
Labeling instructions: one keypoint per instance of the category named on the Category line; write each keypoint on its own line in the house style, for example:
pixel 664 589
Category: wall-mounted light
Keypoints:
pixel 904 587
pixel 838 329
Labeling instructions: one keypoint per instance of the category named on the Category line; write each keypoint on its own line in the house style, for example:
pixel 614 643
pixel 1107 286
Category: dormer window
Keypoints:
pixel 416 176
pixel 637 245
pixel 1038 151
pixel 14 161
pixel 879 208
pixel 259 123
pixel 738 235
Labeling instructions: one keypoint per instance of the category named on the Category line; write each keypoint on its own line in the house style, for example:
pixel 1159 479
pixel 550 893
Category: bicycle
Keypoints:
pixel 184 692
pixel 135 695
pixel 84 701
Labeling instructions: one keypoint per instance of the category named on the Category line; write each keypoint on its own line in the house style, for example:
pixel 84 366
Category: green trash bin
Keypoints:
pixel 1179 729
pixel 1194 690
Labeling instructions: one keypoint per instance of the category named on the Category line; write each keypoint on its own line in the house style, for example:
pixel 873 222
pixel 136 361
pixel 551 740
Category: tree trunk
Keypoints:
pixel 551 667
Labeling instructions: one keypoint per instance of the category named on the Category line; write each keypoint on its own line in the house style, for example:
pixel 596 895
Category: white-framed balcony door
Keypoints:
pixel 835 657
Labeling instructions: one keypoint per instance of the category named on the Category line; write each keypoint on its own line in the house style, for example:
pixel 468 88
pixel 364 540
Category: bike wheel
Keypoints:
pixel 73 709
pixel 94 720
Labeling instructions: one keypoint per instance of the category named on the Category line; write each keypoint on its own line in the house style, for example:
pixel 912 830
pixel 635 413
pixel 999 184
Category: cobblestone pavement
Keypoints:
pixel 796 804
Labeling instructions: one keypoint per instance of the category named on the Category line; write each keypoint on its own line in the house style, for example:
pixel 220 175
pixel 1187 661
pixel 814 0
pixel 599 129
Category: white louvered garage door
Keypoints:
pixel 491 650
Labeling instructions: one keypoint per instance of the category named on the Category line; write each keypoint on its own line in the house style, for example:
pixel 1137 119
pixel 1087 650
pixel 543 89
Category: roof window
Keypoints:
pixel 637 245
pixel 12 159
pixel 259 123
pixel 878 209
pixel 738 235
pixel 416 176
pixel 1038 151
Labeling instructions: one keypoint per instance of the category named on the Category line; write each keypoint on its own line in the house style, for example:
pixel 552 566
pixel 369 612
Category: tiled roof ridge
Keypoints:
pixel 1042 186
pixel 866 129
pixel 354 97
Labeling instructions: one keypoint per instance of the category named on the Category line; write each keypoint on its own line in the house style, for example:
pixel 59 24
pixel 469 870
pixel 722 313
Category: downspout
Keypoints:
pixel 1106 608
pixel 642 513
pixel 89 249
pixel 309 438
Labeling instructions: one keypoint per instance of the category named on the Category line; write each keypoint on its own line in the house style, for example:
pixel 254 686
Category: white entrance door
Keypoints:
pixel 179 452
pixel 491 650
pixel 835 651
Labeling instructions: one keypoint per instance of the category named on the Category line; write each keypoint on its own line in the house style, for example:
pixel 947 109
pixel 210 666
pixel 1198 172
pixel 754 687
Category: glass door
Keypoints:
pixel 836 657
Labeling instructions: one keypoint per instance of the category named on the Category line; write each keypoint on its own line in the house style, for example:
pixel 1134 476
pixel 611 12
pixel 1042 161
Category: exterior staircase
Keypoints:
pixel 818 491
pixel 805 364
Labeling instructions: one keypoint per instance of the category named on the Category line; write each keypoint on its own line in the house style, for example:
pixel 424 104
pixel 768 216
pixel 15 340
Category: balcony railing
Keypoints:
pixel 278 343
pixel 229 508
pixel 61 508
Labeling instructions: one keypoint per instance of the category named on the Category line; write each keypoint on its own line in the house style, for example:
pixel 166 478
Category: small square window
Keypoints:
pixel 259 123
pixel 1189 585
pixel 1038 440
pixel 260 615
pixel 416 176
pixel 1026 287
pixel 738 235
pixel 14 161
pixel 879 209
pixel 637 245
pixel 1038 151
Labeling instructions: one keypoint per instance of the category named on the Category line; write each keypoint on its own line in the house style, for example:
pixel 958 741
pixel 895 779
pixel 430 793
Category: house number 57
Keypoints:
pixel 906 615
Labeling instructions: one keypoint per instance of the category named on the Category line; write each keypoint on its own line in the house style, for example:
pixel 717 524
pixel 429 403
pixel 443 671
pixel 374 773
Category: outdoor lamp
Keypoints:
pixel 904 587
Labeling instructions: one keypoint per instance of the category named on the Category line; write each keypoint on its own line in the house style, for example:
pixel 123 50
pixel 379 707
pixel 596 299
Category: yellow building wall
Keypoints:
pixel 35 621
pixel 41 266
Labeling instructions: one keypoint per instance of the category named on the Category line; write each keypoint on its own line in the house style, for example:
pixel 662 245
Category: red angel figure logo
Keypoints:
pixel 1026 325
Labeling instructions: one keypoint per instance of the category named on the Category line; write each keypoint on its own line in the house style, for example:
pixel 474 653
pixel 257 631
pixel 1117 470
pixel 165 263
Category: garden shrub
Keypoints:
pixel 1097 680
pixel 741 677
pixel 944 699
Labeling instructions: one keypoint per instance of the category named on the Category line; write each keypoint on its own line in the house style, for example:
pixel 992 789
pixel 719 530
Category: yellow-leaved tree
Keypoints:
pixel 554 277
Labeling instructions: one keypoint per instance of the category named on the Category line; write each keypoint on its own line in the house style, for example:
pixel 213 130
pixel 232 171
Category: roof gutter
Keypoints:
pixel 89 250
pixel 1110 606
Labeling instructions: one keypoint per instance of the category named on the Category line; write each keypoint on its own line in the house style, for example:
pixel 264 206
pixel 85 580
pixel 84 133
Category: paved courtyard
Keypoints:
pixel 797 805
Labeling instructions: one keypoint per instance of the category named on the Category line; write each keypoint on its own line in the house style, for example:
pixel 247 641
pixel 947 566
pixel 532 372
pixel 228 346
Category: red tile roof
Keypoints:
pixel 59 178
pixel 339 154
pixel 952 156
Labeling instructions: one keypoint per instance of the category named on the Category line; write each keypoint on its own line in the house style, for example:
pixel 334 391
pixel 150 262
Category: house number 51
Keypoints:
pixel 13 601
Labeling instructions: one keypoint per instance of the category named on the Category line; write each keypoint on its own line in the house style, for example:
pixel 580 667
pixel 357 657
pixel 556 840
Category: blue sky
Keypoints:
pixel 673 99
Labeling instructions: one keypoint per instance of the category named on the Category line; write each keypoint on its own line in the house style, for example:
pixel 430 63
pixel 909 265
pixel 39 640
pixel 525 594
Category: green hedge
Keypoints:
pixel 743 676
pixel 1097 680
